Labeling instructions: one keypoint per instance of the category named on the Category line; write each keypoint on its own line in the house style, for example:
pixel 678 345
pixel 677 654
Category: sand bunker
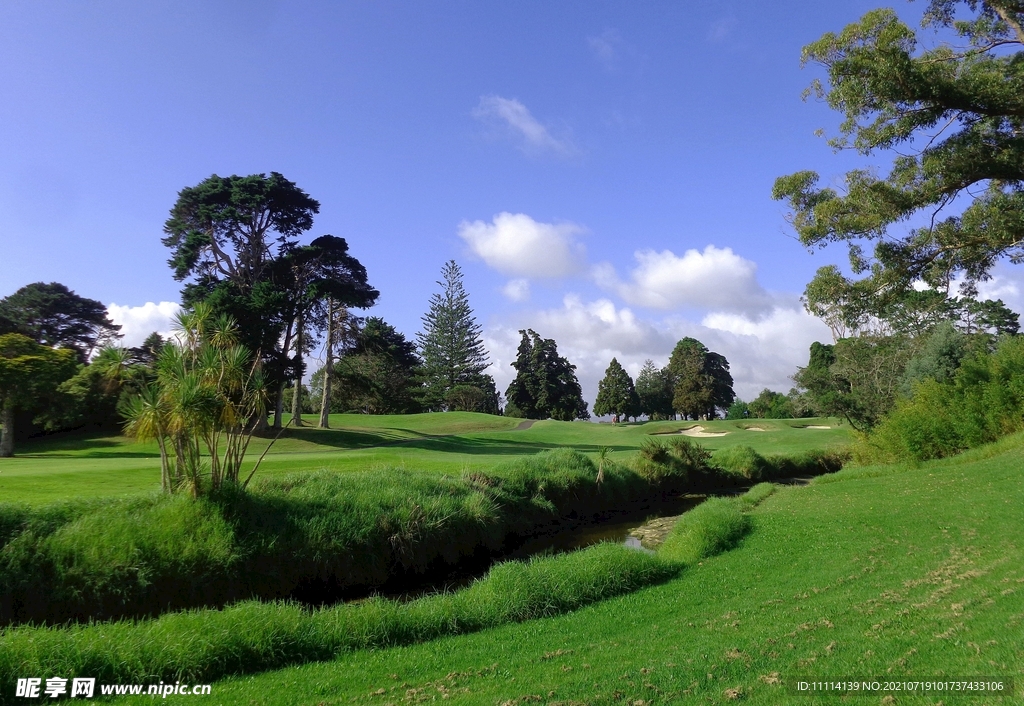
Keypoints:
pixel 699 431
pixel 816 426
pixel 756 429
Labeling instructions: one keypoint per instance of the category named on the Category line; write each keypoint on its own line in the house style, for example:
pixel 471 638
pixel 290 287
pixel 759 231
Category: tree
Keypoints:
pixel 616 394
pixel 322 275
pixel 770 405
pixel 28 372
pixel 381 373
pixel 545 385
pixel 654 390
pixel 856 378
pixel 450 344
pixel 701 380
pixel 953 115
pixel 54 316
pixel 207 395
pixel 236 240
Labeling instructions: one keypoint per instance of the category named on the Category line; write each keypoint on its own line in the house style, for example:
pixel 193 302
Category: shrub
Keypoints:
pixel 984 401
pixel 679 459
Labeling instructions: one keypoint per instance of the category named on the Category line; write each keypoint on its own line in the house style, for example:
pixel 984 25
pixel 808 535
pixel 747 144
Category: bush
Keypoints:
pixel 203 645
pixel 678 459
pixel 983 401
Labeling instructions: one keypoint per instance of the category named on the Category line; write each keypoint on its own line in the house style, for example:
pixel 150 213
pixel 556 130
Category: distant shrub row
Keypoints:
pixel 983 401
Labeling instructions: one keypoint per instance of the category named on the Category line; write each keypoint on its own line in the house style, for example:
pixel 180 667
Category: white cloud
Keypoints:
pixel 516 245
pixel 518 290
pixel 762 353
pixel 605 48
pixel 721 29
pixel 515 119
pixel 137 322
pixel 716 278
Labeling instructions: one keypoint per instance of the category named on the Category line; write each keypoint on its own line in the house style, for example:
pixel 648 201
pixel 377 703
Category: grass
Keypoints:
pixel 95 466
pixel 199 646
pixel 883 571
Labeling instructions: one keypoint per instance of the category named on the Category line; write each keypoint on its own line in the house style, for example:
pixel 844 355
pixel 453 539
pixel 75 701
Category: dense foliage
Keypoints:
pixel 953 115
pixel 545 385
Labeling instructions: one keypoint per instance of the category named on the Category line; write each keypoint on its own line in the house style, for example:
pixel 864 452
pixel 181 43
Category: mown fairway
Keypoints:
pixel 93 466
pixel 871 572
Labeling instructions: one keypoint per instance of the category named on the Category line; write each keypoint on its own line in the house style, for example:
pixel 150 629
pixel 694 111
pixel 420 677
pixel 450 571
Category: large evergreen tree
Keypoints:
pixel 29 372
pixel 450 345
pixel 616 394
pixel 701 381
pixel 654 390
pixel 545 385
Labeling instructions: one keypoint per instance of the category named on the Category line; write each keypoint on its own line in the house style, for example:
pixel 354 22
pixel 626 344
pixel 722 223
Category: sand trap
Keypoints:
pixel 816 426
pixel 699 431
pixel 755 429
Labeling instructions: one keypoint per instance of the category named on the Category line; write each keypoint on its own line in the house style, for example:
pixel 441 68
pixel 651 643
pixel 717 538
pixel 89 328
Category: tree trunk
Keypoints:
pixel 297 392
pixel 7 435
pixel 325 400
pixel 279 402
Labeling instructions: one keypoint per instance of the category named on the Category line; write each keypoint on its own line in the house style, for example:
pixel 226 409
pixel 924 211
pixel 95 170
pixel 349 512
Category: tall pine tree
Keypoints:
pixel 616 394
pixel 453 355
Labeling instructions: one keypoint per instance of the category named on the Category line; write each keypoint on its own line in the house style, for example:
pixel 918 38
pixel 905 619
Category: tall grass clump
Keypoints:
pixel 983 402
pixel 680 460
pixel 714 526
pixel 204 645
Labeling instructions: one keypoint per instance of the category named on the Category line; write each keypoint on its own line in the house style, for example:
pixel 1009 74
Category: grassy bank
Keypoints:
pixel 315 536
pixel 200 646
pixel 203 645
pixel 881 571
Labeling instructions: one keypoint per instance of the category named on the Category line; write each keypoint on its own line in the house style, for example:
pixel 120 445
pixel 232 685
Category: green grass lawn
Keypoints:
pixel 90 465
pixel 871 572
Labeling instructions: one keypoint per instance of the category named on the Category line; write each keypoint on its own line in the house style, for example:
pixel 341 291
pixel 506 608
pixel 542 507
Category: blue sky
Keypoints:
pixel 631 148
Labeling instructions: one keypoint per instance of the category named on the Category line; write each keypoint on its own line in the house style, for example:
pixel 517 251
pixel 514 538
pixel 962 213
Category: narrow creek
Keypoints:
pixel 641 528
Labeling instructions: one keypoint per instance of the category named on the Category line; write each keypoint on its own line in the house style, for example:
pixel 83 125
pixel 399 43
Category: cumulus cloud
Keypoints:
pixel 518 290
pixel 516 121
pixel 762 352
pixel 715 278
pixel 137 322
pixel 516 245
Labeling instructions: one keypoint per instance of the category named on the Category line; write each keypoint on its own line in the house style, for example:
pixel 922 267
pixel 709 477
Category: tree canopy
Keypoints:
pixel 545 385
pixel 953 114
pixel 235 239
pixel 654 391
pixel 54 316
